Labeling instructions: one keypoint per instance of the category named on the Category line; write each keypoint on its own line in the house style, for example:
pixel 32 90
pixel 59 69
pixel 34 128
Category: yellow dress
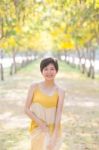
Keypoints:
pixel 44 107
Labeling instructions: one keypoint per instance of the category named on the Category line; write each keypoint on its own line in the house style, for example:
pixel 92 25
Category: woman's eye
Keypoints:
pixel 52 68
pixel 46 69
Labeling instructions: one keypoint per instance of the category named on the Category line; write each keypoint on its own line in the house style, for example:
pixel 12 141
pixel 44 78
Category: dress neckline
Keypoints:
pixel 45 94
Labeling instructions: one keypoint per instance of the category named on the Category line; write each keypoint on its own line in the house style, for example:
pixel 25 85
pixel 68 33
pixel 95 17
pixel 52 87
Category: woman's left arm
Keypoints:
pixel 59 112
pixel 57 119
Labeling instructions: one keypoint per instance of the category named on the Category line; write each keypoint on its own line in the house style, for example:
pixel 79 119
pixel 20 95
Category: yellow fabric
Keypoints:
pixel 46 101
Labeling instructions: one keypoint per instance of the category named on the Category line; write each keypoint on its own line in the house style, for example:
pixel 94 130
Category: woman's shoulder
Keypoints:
pixel 34 85
pixel 60 90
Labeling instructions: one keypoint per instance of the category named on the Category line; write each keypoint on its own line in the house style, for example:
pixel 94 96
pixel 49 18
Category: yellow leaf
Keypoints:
pixel 67 45
pixel 11 41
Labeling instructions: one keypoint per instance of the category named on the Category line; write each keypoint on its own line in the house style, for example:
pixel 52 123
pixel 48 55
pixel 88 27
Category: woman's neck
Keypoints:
pixel 49 84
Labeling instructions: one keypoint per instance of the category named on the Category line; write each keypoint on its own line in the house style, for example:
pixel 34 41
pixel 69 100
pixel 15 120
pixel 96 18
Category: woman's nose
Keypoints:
pixel 49 71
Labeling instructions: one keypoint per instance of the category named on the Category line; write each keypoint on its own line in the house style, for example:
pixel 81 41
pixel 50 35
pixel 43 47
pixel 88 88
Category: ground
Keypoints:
pixel 80 119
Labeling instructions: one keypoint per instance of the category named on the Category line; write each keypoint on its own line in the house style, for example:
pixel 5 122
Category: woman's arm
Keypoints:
pixel 59 110
pixel 58 119
pixel 32 115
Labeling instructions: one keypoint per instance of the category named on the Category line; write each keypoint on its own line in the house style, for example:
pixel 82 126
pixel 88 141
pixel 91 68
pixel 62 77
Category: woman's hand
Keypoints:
pixel 50 147
pixel 43 127
pixel 53 141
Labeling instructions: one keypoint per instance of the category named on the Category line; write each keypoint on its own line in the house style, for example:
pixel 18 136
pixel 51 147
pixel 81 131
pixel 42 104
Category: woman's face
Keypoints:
pixel 49 72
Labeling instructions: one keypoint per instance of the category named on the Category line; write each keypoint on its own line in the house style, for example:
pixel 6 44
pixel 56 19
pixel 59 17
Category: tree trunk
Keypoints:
pixel 73 60
pixel 79 57
pixel 65 53
pixel 2 30
pixel 13 68
pixel 2 72
pixel 83 63
pixel 91 71
pixel 93 62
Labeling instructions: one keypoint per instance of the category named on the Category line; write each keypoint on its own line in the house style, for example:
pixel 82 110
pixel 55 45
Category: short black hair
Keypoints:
pixel 46 61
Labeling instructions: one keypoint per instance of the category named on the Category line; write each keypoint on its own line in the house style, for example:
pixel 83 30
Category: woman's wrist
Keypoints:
pixel 43 125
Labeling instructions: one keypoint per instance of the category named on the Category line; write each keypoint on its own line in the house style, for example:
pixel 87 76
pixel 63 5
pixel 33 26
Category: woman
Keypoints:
pixel 44 107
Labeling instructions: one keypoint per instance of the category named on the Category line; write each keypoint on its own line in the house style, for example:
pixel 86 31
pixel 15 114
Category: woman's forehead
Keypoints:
pixel 50 65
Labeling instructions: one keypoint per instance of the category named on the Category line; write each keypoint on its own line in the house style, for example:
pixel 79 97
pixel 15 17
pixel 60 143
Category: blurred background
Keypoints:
pixel 67 30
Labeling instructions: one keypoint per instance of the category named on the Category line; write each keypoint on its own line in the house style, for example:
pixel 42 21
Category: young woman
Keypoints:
pixel 44 107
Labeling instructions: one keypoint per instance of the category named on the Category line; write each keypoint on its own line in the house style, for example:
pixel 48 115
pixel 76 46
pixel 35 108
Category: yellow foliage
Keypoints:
pixel 70 29
pixel 49 1
pixel 67 37
pixel 97 4
pixel 54 33
pixel 91 2
pixel 17 29
pixel 57 32
pixel 67 45
pixel 1 12
pixel 11 41
pixel 47 22
pixel 63 26
pixel 81 42
pixel 3 43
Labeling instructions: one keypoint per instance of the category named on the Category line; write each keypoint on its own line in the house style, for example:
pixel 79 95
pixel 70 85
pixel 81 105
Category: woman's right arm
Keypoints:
pixel 32 115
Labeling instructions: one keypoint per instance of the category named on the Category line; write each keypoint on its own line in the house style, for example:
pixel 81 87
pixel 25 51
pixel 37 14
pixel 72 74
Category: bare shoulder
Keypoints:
pixel 61 91
pixel 33 86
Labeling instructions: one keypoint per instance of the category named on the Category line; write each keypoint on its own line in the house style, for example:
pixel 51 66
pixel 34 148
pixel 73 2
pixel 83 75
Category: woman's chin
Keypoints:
pixel 49 79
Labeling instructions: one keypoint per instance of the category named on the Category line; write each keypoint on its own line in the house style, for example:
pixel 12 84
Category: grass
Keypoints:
pixel 11 138
pixel 65 67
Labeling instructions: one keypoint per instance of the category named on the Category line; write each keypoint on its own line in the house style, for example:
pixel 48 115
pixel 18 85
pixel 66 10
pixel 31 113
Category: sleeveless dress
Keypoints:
pixel 44 107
